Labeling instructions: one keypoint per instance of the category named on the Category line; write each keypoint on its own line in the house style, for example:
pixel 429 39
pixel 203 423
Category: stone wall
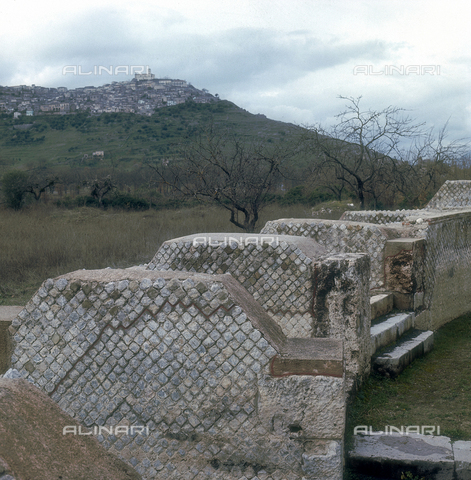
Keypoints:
pixel 308 292
pixel 198 362
pixel 341 237
pixel 235 357
pixel 378 217
pixel 422 256
pixel 275 270
pixel 447 271
pixel 453 194
pixel 440 278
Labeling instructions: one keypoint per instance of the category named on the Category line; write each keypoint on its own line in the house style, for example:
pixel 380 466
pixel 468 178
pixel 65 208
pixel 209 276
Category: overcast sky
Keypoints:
pixel 287 59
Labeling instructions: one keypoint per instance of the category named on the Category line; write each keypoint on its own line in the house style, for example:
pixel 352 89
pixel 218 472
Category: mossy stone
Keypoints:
pixel 87 303
pixel 115 295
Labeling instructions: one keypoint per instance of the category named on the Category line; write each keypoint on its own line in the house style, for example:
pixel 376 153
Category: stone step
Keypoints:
pixel 387 456
pixel 7 314
pixel 394 359
pixel 381 304
pixel 389 329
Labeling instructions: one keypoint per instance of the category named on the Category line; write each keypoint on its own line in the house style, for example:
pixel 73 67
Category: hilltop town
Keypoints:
pixel 141 95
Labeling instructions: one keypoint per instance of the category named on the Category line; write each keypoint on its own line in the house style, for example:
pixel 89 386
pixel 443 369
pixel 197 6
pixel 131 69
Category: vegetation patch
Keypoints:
pixel 434 390
pixel 43 242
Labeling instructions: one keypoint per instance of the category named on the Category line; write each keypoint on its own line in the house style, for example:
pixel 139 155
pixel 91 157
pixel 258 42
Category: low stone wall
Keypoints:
pixel 439 279
pixel 379 217
pixel 424 261
pixel 447 269
pixel 306 291
pixel 438 273
pixel 243 375
pixel 193 358
pixel 341 237
pixel 441 283
pixel 275 269
pixel 453 194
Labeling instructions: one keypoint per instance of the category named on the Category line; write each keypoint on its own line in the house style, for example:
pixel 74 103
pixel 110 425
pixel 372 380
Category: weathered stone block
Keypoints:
pixel 395 359
pixel 286 407
pixel 309 356
pixel 323 459
pixel 404 270
pixel 381 304
pixel 387 455
pixel 341 309
pixel 390 330
pixel 462 454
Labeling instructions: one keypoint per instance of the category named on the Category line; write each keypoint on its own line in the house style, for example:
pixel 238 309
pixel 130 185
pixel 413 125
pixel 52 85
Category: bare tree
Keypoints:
pixel 17 184
pixel 359 148
pixel 329 179
pixel 226 171
pixel 37 186
pixel 99 187
pixel 426 164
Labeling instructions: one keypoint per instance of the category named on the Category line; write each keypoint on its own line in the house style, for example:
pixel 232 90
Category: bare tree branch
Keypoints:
pixel 380 152
pixel 224 170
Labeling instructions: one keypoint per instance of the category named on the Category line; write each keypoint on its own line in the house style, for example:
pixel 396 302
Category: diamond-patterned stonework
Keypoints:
pixel 276 270
pixel 379 217
pixel 444 223
pixel 446 271
pixel 290 276
pixel 340 237
pixel 453 194
pixel 169 351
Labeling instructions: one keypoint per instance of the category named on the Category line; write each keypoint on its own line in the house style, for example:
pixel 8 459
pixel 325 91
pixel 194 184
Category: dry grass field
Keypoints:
pixel 43 242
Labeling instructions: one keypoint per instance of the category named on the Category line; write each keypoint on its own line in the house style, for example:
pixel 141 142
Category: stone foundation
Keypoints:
pixel 194 359
pixel 233 358
pixel 306 291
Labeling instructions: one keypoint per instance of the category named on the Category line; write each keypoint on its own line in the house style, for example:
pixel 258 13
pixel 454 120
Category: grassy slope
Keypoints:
pixel 435 390
pixel 128 138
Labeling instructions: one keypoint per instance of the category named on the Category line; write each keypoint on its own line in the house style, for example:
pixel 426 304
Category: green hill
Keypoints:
pixel 63 141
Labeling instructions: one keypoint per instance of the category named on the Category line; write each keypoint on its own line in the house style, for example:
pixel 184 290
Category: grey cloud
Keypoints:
pixel 248 55
pixel 243 56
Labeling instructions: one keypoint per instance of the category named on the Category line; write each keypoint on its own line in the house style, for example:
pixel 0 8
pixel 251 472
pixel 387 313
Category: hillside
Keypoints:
pixel 125 139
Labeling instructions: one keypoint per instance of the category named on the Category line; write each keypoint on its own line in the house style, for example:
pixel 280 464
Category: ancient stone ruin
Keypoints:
pixel 232 356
